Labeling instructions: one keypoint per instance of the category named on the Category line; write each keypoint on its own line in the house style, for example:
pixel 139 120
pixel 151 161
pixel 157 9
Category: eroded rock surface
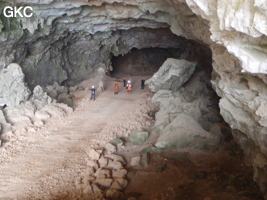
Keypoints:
pixel 171 75
pixel 23 109
pixel 13 89
pixel 184 132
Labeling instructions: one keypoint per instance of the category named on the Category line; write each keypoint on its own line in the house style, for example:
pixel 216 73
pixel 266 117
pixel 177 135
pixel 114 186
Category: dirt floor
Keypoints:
pixel 46 163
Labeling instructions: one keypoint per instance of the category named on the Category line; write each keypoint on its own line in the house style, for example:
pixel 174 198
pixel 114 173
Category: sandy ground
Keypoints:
pixel 47 163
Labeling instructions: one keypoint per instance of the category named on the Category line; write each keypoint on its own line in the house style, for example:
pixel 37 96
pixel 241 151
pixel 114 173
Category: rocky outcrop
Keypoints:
pixel 23 109
pixel 13 89
pixel 39 96
pixel 171 75
pixel 186 132
pixel 188 117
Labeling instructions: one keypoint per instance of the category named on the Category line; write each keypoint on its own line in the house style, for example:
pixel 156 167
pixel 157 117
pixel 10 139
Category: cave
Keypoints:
pixel 195 130
pixel 144 62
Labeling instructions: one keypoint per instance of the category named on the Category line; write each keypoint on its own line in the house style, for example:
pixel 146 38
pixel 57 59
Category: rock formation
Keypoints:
pixel 13 89
pixel 172 75
pixel 21 107
pixel 65 41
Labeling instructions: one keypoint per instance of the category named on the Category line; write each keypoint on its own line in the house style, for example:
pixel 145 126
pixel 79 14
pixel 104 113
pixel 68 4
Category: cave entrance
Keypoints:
pixel 142 62
pixel 196 90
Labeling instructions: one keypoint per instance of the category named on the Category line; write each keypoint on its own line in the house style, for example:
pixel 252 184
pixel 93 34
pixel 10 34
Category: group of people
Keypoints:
pixel 126 84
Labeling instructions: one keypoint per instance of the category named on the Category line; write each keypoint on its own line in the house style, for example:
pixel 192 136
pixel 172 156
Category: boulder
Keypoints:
pixel 5 126
pixel 115 165
pixel 103 162
pixel 116 141
pixel 13 89
pixel 40 96
pixel 111 148
pixel 105 182
pixel 94 155
pixel 123 182
pixel 116 186
pixel 60 89
pixel 171 75
pixel 115 157
pixel 119 173
pixel 102 173
pixel 91 163
pixel 138 137
pixel 184 132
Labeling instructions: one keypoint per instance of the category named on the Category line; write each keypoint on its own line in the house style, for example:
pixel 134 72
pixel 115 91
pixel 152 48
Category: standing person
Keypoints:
pixel 124 82
pixel 130 81
pixel 116 88
pixel 142 84
pixel 129 87
pixel 93 93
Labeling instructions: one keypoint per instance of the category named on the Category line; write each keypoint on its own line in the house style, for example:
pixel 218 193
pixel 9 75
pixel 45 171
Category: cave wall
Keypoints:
pixel 66 41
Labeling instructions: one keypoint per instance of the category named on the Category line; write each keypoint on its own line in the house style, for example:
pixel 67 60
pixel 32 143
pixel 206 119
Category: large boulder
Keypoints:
pixel 13 89
pixel 185 132
pixel 171 75
pixel 39 96
pixel 138 137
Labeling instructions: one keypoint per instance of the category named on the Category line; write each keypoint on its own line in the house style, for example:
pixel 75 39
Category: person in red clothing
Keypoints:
pixel 129 87
pixel 116 88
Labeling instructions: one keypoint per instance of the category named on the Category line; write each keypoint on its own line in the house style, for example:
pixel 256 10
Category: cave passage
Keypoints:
pixel 142 62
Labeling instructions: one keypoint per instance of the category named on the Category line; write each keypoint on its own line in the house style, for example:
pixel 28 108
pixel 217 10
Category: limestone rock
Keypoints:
pixel 5 126
pixel 40 96
pixel 7 136
pixel 102 173
pixel 114 165
pixel 121 173
pixel 115 157
pixel 42 115
pixel 73 89
pixel 171 75
pixel 51 91
pixel 138 137
pixel 92 163
pixel 106 182
pixel 122 181
pixel 234 30
pixel 185 132
pixel 60 89
pixel 87 189
pixel 96 189
pixel 116 186
pixel 94 155
pixel 116 141
pixel 103 162
pixel 38 123
pixel 13 89
pixel 111 148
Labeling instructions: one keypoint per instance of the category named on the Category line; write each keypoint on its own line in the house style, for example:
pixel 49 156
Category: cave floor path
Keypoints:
pixel 60 147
